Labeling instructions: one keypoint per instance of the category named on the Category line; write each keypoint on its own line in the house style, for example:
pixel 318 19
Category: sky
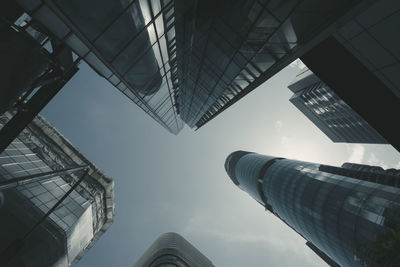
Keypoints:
pixel 166 183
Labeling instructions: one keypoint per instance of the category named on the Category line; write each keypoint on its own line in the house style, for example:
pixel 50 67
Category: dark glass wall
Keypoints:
pixel 185 59
pixel 131 43
pixel 228 48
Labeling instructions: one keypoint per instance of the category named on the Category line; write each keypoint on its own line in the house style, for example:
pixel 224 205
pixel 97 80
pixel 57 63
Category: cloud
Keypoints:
pixel 278 125
pixel 374 161
pixel 251 235
pixel 284 140
pixel 271 238
pixel 357 154
pixel 298 64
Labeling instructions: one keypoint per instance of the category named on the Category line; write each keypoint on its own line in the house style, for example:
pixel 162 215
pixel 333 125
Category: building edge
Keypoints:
pixel 41 124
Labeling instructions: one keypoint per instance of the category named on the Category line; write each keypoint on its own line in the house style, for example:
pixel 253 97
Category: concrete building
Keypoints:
pixel 28 236
pixel 349 215
pixel 171 249
pixel 329 113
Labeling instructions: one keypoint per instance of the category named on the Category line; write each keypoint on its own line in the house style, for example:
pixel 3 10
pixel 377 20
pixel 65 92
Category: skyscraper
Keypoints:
pixel 171 249
pixel 350 216
pixel 186 61
pixel 329 113
pixel 360 62
pixel 37 171
pixel 226 49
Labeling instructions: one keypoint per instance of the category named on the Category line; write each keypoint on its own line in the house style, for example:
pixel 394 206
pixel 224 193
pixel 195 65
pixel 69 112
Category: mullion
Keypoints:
pixel 250 60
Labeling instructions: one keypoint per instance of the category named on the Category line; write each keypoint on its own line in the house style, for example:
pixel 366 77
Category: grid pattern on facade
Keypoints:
pixel 344 217
pixel 266 41
pixel 229 54
pixel 131 43
pixel 353 221
pixel 45 195
pixel 390 177
pixel 186 60
pixel 373 38
pixel 17 161
pixel 333 116
pixel 81 218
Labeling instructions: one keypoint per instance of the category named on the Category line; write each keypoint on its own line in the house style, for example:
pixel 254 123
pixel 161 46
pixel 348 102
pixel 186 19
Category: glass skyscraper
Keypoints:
pixel 228 48
pixel 131 43
pixel 349 215
pixel 360 62
pixel 329 113
pixel 75 225
pixel 172 250
pixel 186 61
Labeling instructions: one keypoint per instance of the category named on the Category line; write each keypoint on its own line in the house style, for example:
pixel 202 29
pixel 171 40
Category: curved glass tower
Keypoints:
pixel 172 250
pixel 350 216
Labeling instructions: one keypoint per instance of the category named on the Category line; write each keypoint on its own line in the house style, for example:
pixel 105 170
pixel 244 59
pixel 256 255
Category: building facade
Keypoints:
pixel 329 113
pixel 186 61
pixel 360 62
pixel 227 49
pixel 172 250
pixel 372 38
pixel 75 224
pixel 349 215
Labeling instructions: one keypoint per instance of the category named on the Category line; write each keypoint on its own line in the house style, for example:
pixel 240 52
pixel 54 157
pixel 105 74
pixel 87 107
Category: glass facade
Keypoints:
pixel 233 47
pixel 330 113
pixel 185 61
pixel 131 43
pixel 172 250
pixel 353 221
pixel 372 37
pixel 77 219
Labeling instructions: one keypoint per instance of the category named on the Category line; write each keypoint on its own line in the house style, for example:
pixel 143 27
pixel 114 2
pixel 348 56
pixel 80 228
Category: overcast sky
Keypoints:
pixel 178 183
